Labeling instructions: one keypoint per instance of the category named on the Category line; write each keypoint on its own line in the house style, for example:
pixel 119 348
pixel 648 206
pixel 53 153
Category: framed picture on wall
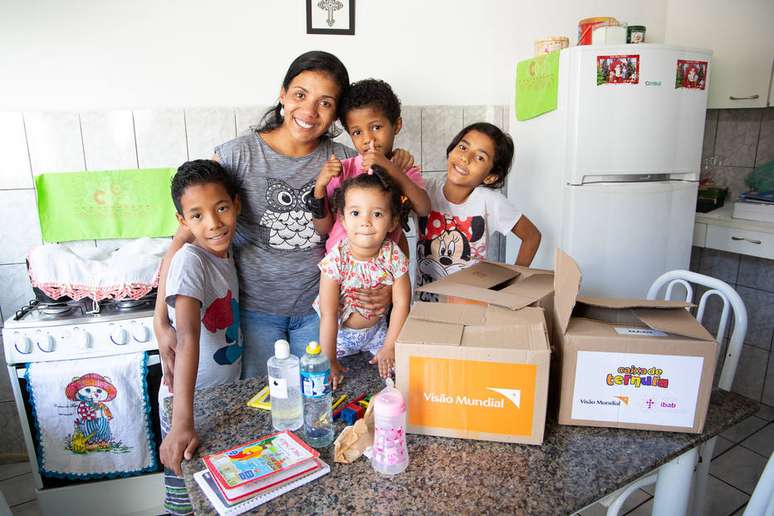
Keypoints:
pixel 330 17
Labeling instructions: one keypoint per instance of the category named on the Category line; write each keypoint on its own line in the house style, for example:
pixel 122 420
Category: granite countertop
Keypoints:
pixel 574 467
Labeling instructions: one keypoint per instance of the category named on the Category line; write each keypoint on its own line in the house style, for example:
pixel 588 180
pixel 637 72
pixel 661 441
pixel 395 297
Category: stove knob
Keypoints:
pixel 140 333
pixel 45 343
pixel 119 336
pixel 82 338
pixel 23 345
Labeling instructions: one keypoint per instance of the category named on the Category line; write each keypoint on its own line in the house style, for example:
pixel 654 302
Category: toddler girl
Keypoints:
pixel 467 207
pixel 369 206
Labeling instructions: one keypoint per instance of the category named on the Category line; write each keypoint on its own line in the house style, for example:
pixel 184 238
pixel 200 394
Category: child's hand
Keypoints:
pixel 386 360
pixel 180 443
pixel 331 169
pixel 337 373
pixel 402 159
pixel 374 157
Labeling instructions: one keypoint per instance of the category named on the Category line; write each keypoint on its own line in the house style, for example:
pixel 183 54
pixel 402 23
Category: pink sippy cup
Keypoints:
pixel 389 451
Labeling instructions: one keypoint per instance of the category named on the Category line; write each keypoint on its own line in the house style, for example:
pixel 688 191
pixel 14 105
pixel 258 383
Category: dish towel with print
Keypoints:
pixel 128 272
pixel 92 417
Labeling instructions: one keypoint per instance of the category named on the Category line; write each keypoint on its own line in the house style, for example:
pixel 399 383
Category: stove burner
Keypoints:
pixel 56 309
pixel 129 304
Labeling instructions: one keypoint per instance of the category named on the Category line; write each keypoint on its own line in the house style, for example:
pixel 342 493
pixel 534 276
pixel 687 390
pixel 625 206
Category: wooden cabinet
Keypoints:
pixel 739 33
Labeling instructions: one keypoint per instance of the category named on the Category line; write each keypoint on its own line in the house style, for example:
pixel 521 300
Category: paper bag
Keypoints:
pixel 355 439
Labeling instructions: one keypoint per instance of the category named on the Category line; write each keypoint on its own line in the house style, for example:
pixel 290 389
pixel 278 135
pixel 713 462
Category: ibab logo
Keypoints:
pixel 472 395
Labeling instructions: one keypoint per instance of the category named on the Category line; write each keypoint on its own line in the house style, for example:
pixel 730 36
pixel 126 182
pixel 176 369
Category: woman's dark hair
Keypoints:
pixel 501 161
pixel 371 93
pixel 378 180
pixel 200 172
pixel 312 61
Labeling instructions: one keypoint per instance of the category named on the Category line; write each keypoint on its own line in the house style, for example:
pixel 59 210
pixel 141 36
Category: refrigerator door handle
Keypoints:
pixel 738 239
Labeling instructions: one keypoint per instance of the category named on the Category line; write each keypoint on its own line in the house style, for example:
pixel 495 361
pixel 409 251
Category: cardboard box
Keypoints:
pixel 630 363
pixel 499 284
pixel 475 372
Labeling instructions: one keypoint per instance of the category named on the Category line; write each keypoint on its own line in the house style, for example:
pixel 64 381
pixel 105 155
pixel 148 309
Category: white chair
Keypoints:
pixel 761 502
pixel 731 302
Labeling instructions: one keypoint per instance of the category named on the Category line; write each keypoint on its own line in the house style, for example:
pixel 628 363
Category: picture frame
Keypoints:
pixel 336 17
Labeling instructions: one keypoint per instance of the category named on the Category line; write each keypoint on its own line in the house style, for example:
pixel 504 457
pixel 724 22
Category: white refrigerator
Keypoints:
pixel 611 176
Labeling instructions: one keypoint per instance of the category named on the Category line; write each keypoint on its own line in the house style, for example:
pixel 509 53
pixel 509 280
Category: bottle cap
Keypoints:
pixel 313 348
pixel 282 349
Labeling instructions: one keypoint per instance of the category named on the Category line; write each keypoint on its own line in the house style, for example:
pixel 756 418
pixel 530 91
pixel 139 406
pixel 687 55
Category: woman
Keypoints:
pixel 276 247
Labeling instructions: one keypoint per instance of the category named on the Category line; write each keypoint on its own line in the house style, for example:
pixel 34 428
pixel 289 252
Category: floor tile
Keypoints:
pixel 740 511
pixel 743 430
pixel 636 499
pixel 14 470
pixel 643 510
pixel 762 441
pixel 721 446
pixel 766 412
pixel 18 490
pixel 722 498
pixel 739 467
pixel 26 509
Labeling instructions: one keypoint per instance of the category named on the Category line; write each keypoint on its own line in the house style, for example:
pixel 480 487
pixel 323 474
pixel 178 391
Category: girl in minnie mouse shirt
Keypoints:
pixel 467 207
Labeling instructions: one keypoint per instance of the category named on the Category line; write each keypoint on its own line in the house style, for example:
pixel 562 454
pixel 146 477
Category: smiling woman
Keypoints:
pixel 276 247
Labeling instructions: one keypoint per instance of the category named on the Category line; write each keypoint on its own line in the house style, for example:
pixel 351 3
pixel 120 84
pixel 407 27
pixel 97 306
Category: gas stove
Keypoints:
pixel 41 332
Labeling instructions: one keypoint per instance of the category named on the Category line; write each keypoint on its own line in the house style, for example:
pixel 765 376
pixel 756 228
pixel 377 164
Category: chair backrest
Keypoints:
pixel 731 300
pixel 762 500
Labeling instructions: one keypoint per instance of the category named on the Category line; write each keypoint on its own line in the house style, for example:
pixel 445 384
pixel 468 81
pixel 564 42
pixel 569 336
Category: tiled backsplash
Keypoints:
pixel 39 142
pixel 740 140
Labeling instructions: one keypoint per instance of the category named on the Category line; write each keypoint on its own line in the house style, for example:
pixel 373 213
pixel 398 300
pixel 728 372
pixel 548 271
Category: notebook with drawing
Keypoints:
pixel 226 508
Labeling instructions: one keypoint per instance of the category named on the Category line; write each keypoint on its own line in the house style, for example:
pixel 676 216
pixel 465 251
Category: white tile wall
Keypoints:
pixel 108 140
pixel 439 125
pixel 206 128
pixel 161 140
pixel 23 233
pixel 410 136
pixel 55 143
pixel 248 116
pixel 16 291
pixel 491 114
pixel 15 171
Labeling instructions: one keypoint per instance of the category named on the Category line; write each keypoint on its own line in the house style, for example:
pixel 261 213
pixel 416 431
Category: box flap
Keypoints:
pixel 431 332
pixel 448 313
pixel 494 284
pixel 607 302
pixel 567 280
pixel 518 337
pixel 678 322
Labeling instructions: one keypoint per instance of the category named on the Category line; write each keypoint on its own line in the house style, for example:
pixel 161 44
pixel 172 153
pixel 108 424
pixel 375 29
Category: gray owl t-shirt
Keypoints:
pixel 276 246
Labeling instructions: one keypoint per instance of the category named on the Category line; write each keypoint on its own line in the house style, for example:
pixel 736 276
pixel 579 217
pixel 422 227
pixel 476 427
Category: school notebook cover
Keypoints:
pixel 248 490
pixel 258 459
pixel 210 488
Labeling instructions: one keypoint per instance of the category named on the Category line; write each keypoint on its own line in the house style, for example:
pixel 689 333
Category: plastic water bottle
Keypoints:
pixel 389 452
pixel 287 411
pixel 316 388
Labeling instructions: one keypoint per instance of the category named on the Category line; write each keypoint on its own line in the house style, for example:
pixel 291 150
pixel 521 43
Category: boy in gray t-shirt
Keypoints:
pixel 202 289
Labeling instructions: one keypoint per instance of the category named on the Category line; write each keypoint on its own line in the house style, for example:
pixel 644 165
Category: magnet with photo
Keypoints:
pixel 621 69
pixel 691 74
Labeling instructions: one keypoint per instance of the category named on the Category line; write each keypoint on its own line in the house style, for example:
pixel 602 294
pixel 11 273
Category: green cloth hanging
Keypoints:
pixel 537 85
pixel 105 204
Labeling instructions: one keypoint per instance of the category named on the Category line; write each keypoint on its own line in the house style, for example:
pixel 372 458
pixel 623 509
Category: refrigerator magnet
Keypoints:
pixel 622 69
pixel 691 74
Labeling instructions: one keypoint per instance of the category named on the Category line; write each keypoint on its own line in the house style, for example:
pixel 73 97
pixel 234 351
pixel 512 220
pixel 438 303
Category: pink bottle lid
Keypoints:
pixel 389 402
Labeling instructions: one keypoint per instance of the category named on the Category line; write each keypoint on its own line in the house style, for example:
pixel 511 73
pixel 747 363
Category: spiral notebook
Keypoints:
pixel 210 488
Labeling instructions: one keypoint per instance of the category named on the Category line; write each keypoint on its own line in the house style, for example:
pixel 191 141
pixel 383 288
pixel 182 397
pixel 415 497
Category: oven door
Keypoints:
pixel 142 494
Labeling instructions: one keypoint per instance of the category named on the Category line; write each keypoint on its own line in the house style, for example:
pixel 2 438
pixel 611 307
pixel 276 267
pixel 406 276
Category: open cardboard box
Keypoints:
pixel 498 284
pixel 630 363
pixel 474 371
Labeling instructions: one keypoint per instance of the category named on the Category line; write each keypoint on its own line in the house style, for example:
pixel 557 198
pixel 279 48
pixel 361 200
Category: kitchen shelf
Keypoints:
pixel 719 230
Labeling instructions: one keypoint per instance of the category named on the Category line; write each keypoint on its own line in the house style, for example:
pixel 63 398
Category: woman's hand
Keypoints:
pixel 376 299
pixel 167 341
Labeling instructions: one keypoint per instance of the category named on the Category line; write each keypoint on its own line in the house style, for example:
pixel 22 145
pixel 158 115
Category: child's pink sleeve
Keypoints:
pixel 415 174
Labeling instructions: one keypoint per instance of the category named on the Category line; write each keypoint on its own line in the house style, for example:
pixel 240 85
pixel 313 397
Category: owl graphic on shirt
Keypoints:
pixel 286 223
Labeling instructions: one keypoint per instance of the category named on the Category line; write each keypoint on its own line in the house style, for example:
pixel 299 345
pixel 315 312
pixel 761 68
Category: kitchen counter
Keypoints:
pixel 717 229
pixel 574 467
